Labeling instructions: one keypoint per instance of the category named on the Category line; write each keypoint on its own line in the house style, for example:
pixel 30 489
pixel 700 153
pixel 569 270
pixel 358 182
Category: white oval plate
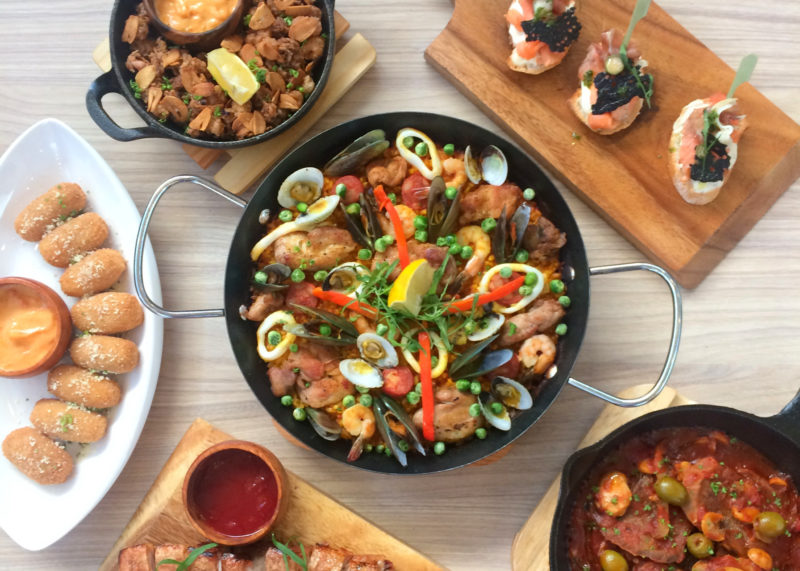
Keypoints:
pixel 49 152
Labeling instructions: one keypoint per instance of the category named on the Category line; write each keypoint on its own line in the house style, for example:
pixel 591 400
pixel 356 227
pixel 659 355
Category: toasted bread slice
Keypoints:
pixel 623 122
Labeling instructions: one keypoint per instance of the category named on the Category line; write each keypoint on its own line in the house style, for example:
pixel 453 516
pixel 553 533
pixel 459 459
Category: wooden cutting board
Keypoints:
pixel 530 550
pixel 625 177
pixel 311 516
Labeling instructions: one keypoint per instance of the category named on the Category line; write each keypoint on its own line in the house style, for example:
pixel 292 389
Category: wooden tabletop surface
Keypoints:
pixel 741 337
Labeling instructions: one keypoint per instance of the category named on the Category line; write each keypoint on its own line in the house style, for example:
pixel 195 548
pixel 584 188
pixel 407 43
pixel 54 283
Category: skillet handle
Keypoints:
pixel 100 87
pixel 677 318
pixel 141 238
pixel 789 418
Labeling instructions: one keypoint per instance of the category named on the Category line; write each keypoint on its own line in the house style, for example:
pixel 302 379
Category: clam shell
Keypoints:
pixel 303 185
pixel 494 166
pixel 361 373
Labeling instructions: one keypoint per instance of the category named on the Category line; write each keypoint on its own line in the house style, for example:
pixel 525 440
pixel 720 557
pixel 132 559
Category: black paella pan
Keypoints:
pixel 316 152
pixel 776 437
pixel 117 81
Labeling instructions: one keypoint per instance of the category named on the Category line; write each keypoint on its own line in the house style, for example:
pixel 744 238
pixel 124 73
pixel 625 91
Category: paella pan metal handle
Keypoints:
pixel 141 238
pixel 669 363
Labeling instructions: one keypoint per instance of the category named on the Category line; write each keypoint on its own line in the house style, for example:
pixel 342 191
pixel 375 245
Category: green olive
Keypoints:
pixel 769 524
pixel 671 491
pixel 611 560
pixel 699 545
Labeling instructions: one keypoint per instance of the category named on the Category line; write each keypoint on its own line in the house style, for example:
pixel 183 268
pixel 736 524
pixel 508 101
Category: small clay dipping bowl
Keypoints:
pixel 208 39
pixel 234 492
pixel 35 327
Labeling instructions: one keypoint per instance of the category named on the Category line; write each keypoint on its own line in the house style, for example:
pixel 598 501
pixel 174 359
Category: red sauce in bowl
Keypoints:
pixel 233 492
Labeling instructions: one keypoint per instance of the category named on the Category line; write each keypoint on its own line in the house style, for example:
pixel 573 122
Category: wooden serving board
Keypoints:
pixel 311 515
pixel 625 177
pixel 530 550
pixel 246 166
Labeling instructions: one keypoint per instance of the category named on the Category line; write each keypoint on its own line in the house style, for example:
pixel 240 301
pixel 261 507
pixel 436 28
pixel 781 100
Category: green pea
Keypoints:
pixel 260 278
pixel 449 149
pixel 302 207
pixel 320 275
pixel 463 385
pixel 413 397
pixel 392 197
pixel 522 256
pixel 388 238
pixel 480 433
pixel 528 194
pixel 354 208
pixel 325 330
pixel 531 279
pixel 364 254
pixel 769 524
pixel 451 239
pixel 496 407
pixel 366 400
pixel 441 241
pixel 450 192
pixel 505 272
pixel 297 275
pixel 299 414
pixel 418 388
pixel 488 224
pixel 564 300
pixel 285 215
pixel 403 445
pixel 368 448
pixel 273 338
pixel 439 448
pixel 556 286
pixel 525 290
pixel 434 361
pixel 421 222
pixel 699 545
pixel 561 329
pixel 470 327
pixel 380 245
pixel 669 489
pixel 475 387
pixel 380 448
pixel 387 451
pixel 421 149
pixel 341 189
pixel 382 329
pixel 348 401
pixel 421 235
pixel 408 142
pixel 611 560
pixel 454 250
pixel 475 409
pixel 466 252
pixel 362 390
pixel 286 400
pixel 293 348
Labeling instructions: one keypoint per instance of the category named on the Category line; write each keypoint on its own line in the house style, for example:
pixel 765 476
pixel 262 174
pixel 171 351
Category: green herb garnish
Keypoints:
pixel 183 565
pixel 288 553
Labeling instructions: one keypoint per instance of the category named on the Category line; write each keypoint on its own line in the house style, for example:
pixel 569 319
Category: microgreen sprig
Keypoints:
pixel 639 12
pixel 288 553
pixel 183 565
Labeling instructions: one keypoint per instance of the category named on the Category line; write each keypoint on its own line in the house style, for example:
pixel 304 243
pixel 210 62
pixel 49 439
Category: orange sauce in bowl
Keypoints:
pixel 194 16
pixel 29 329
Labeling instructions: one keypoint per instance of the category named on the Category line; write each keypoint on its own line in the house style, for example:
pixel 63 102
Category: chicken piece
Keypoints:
pixel 274 561
pixel 331 388
pixel 325 558
pixel 488 201
pixel 543 240
pixel 263 304
pixel 451 419
pixel 313 48
pixel 314 369
pixel 300 294
pixel 544 314
pixel 389 171
pixel 322 248
pixel 137 558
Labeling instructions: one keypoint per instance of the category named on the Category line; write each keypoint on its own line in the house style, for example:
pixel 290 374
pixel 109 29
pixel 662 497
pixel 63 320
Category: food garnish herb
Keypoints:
pixel 246 19
pixel 183 565
pixel 137 91
pixel 166 85
pixel 639 12
pixel 288 553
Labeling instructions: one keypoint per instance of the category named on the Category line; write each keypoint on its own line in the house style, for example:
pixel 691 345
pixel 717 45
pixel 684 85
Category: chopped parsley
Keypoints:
pixel 137 91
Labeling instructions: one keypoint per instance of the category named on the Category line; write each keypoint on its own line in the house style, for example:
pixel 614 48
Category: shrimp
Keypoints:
pixel 481 245
pixel 454 171
pixel 406 216
pixel 614 495
pixel 538 352
pixel 359 421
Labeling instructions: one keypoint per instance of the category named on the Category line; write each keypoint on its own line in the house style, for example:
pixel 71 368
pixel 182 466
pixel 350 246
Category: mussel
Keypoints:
pixel 395 425
pixel 304 185
pixel 361 373
pixel 271 277
pixel 509 234
pixel 362 219
pixel 462 362
pixel 491 166
pixel 489 363
pixel 377 350
pixel 442 211
pixel 323 424
pixel 345 278
pixel 340 330
pixel 357 154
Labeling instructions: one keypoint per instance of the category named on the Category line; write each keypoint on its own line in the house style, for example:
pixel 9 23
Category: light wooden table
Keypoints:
pixel 741 344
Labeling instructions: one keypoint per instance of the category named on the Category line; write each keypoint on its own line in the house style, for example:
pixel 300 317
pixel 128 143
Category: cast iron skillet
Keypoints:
pixel 441 129
pixel 777 437
pixel 117 81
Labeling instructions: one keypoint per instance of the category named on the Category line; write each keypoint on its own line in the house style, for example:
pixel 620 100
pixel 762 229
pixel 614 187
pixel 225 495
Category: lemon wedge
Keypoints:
pixel 232 75
pixel 411 286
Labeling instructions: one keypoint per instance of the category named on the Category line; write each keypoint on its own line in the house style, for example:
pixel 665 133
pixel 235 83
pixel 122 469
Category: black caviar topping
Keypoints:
pixel 713 166
pixel 614 91
pixel 558 33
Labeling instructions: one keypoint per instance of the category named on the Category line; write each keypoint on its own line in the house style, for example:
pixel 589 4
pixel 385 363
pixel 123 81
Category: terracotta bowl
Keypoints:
pixel 220 458
pixel 208 39
pixel 63 321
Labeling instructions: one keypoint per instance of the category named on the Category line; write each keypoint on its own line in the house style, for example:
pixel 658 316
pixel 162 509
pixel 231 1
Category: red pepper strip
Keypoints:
pixel 385 203
pixel 499 293
pixel 426 381
pixel 345 301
